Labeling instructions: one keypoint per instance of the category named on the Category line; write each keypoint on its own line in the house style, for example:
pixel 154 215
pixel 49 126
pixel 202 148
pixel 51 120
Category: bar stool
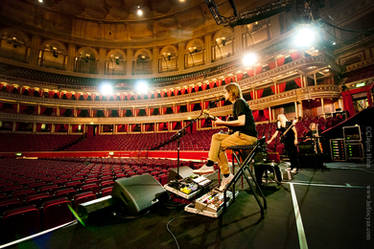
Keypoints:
pixel 244 169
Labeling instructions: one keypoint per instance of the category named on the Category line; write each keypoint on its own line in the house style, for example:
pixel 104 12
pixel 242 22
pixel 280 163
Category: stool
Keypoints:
pixel 244 167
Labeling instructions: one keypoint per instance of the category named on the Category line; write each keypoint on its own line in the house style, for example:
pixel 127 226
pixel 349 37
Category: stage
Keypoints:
pixel 320 208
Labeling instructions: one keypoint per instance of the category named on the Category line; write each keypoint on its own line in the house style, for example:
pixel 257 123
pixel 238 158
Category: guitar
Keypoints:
pixel 207 115
pixel 282 137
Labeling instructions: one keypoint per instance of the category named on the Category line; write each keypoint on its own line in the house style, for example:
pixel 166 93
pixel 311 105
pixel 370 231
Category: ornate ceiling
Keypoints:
pixel 116 20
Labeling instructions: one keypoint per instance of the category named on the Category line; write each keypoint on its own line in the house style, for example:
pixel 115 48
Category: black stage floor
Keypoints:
pixel 327 208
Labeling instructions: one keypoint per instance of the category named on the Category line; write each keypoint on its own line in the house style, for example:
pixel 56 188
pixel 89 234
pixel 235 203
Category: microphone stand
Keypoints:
pixel 177 136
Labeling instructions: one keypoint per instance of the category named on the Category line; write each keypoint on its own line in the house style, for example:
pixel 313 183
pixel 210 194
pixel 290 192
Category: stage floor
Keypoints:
pixel 320 208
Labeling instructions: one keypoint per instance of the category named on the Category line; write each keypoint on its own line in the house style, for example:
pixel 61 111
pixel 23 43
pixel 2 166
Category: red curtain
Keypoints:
pixel 272 88
pixel 271 64
pixel 251 93
pixel 163 110
pixel 160 126
pixel 203 86
pixel 162 93
pixel 69 95
pixel 206 105
pixel 259 93
pixel 239 76
pixel 228 80
pixel 219 82
pixel 255 114
pixel 211 84
pixel 183 90
pixel 62 111
pixel 176 92
pixel 258 69
pixel 197 88
pixel 348 102
pixel 282 86
pixel 189 89
pixel 38 127
pixel 250 73
pixel 203 122
pixel 192 106
pixel 295 55
pixel 266 114
pixel 169 93
pixel 280 61
pixel 178 108
pixel 298 81
pixel 136 112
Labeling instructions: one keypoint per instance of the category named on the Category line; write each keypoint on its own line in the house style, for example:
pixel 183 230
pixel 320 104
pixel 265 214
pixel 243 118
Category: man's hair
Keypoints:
pixel 234 90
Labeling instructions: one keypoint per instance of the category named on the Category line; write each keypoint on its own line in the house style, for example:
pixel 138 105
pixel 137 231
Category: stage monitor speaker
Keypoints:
pixel 184 172
pixel 137 193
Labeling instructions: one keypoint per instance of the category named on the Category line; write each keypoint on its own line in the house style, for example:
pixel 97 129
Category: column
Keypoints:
pixel 180 61
pixel 14 126
pixel 38 109
pixel 237 36
pixel 323 107
pixel 34 127
pixel 270 114
pixel 34 50
pixel 208 49
pixel 296 111
pixel 129 60
pixel 72 53
pixel 101 61
pixel 301 113
pixel 155 54
pixel 315 78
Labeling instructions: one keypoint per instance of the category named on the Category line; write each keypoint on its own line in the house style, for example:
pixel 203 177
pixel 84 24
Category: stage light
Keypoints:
pixel 106 88
pixel 306 35
pixel 141 87
pixel 249 59
pixel 40 1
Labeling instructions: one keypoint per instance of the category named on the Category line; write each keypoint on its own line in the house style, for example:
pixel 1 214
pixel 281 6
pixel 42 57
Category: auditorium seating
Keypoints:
pixel 34 142
pixel 41 189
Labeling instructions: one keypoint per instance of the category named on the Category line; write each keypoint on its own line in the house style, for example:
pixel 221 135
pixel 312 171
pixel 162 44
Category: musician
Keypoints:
pixel 312 135
pixel 289 139
pixel 244 133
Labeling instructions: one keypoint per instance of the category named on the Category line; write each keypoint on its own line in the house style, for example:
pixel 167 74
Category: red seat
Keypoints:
pixel 10 203
pixel 90 187
pixel 20 222
pixel 68 192
pixel 83 197
pixel 56 212
pixel 106 191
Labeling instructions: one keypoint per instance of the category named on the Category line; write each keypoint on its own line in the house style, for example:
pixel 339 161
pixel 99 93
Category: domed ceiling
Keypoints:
pixel 116 20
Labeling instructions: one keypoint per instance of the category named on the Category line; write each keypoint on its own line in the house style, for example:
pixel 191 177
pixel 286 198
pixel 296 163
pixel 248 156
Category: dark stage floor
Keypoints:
pixel 326 209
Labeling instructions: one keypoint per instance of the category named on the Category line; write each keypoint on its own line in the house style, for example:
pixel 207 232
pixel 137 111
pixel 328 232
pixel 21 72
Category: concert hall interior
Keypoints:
pixel 112 111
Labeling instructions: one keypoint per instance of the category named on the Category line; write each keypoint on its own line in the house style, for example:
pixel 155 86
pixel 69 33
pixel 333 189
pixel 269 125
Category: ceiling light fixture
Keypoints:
pixel 139 11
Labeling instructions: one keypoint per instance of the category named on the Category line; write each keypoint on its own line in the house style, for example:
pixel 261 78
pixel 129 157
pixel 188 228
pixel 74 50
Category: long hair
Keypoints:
pixel 282 120
pixel 234 90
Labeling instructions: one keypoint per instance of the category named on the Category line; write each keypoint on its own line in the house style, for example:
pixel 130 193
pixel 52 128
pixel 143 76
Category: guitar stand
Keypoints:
pixel 244 169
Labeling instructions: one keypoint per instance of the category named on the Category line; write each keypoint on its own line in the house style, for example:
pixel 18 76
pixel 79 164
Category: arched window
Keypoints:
pixel 86 62
pixel 115 62
pixel 53 54
pixel 14 45
pixel 143 62
pixel 223 44
pixel 168 59
pixel 194 55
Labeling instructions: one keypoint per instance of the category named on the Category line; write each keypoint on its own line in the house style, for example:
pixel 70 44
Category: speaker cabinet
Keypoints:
pixel 184 172
pixel 137 193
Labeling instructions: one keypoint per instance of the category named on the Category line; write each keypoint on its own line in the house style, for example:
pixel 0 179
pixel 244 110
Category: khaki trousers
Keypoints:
pixel 221 141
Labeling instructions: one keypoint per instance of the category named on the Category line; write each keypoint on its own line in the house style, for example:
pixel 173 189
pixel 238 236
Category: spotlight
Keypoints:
pixel 249 59
pixel 139 11
pixel 40 1
pixel 106 88
pixel 305 36
pixel 141 87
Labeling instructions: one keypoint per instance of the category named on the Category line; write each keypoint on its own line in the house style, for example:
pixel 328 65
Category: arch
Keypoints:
pixel 170 49
pixel 84 50
pixel 10 33
pixel 143 52
pixel 196 44
pixel 116 52
pixel 57 44
pixel 222 35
